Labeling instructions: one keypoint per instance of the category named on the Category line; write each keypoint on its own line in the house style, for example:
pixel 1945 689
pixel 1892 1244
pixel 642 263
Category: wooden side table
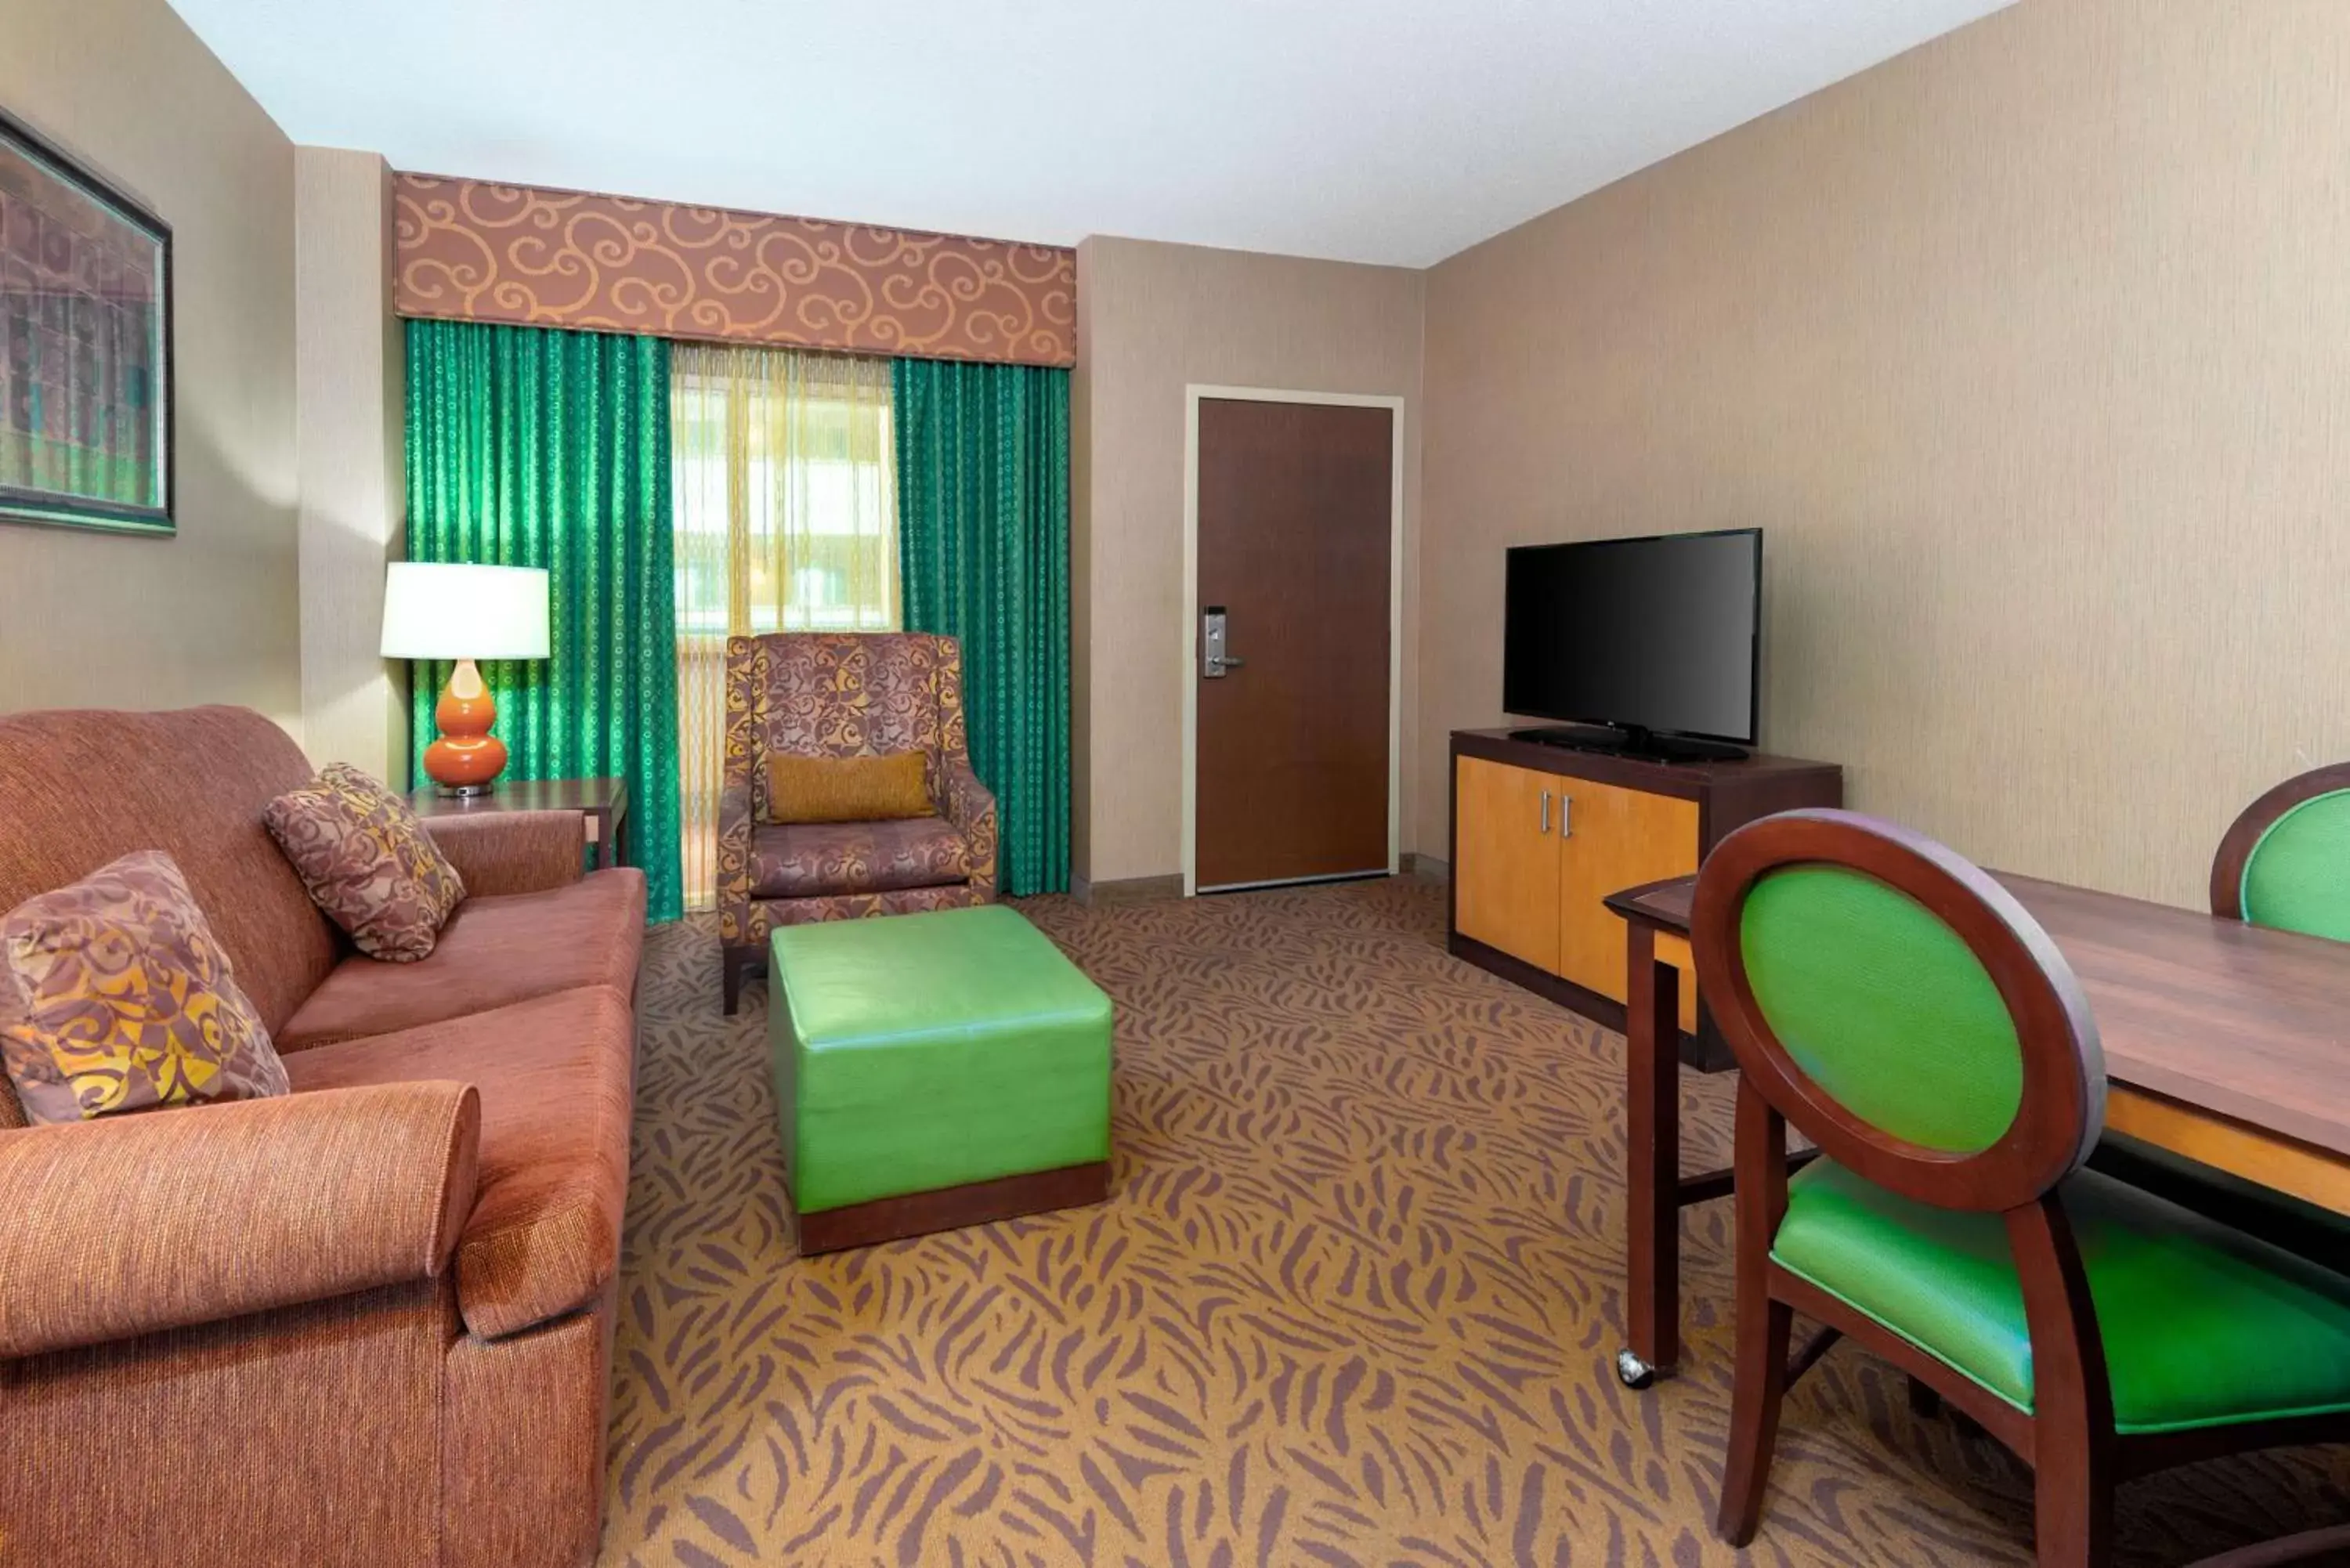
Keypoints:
pixel 1657 946
pixel 602 806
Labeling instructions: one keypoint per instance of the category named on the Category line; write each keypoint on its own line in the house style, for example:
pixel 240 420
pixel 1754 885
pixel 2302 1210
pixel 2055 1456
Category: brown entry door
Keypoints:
pixel 1295 515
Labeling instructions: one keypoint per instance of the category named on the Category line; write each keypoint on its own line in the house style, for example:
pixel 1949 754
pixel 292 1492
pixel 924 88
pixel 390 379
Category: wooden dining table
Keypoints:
pixel 2226 1043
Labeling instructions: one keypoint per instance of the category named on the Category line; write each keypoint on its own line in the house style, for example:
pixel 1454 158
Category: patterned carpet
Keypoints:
pixel 1353 1301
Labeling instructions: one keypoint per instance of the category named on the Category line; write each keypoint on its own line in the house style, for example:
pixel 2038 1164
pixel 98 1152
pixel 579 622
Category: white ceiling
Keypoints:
pixel 1378 131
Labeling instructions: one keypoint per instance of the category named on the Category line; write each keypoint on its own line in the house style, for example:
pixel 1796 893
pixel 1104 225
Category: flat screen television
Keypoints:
pixel 1656 639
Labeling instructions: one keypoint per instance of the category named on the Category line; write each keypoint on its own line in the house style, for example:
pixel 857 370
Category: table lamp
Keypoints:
pixel 436 610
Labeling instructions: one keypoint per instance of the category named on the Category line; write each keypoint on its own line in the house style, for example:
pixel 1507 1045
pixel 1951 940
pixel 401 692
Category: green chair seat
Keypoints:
pixel 2318 1235
pixel 2203 1327
pixel 921 1051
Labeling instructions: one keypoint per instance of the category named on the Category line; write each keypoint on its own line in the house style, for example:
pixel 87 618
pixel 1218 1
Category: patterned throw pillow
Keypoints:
pixel 114 998
pixel 367 862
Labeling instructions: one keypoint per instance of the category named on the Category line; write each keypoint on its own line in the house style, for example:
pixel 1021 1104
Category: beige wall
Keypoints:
pixel 210 615
pixel 2031 350
pixel 1151 320
pixel 349 365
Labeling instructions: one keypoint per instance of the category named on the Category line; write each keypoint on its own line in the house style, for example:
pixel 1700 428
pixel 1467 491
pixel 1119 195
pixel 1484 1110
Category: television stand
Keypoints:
pixel 1631 740
pixel 1542 834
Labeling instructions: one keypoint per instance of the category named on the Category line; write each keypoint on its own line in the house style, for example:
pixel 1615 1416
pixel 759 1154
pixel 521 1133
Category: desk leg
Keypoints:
pixel 1652 1116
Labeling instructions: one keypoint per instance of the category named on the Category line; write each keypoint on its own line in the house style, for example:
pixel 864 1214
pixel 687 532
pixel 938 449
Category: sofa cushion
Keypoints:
pixel 367 862
pixel 493 952
pixel 115 997
pixel 79 788
pixel 816 859
pixel 556 1078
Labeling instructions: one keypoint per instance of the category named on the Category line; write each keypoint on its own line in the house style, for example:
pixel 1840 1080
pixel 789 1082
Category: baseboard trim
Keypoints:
pixel 1125 889
pixel 1285 884
pixel 1148 890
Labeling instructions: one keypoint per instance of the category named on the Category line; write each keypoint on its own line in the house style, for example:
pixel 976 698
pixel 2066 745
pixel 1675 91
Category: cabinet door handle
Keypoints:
pixel 1564 831
pixel 1545 811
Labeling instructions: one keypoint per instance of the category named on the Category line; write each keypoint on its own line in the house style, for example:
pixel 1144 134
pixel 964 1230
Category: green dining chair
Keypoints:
pixel 2284 863
pixel 1900 1009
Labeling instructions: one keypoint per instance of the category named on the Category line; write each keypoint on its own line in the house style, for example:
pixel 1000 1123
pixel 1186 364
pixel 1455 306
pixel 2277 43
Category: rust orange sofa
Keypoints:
pixel 370 1321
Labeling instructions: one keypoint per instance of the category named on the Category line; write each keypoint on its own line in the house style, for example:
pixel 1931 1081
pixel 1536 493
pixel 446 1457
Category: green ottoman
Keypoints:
pixel 934 1071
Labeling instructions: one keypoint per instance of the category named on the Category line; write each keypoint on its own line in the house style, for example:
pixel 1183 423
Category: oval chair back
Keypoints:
pixel 2285 862
pixel 1899 1008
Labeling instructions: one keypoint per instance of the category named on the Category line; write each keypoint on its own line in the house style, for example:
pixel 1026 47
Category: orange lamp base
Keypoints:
pixel 467 758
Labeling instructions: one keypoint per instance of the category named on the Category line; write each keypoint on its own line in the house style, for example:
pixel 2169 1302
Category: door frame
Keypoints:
pixel 1192 394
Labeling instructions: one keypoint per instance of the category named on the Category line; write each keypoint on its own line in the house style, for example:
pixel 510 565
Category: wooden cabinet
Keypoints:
pixel 1512 902
pixel 1610 839
pixel 1542 836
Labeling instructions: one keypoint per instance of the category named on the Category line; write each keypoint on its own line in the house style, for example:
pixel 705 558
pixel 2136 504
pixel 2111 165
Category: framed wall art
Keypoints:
pixel 85 347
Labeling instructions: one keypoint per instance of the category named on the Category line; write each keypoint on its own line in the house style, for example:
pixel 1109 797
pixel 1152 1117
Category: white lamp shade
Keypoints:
pixel 436 610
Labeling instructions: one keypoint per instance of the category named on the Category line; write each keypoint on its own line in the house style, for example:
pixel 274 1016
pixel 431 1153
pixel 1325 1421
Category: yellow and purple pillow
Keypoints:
pixel 115 998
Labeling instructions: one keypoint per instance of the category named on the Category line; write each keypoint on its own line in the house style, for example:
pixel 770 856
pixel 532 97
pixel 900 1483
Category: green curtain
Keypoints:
pixel 983 550
pixel 529 447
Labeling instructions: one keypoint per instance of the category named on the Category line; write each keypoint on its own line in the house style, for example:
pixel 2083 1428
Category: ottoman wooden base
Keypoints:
pixel 951 1207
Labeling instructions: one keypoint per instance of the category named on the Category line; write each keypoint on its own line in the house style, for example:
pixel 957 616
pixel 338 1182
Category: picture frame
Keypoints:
pixel 86 362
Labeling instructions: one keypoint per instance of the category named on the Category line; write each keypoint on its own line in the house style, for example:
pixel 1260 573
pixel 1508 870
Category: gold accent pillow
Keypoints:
pixel 847 789
pixel 115 998
pixel 367 862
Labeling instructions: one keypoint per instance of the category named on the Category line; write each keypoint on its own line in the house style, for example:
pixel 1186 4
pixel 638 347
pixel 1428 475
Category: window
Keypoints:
pixel 784 485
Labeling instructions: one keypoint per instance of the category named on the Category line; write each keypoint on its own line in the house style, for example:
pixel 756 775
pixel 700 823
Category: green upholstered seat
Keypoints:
pixel 928 1051
pixel 2202 1325
pixel 2315 1233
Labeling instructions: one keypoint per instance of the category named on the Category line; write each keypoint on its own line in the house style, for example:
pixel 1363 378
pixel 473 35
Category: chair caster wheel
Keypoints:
pixel 1633 1371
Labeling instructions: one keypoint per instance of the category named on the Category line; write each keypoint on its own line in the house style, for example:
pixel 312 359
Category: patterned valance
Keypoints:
pixel 472 250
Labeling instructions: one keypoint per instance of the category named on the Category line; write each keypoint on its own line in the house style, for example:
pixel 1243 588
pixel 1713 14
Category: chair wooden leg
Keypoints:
pixel 2072 1505
pixel 2072 1439
pixel 1765 1324
pixel 735 962
pixel 1764 1328
pixel 1804 1360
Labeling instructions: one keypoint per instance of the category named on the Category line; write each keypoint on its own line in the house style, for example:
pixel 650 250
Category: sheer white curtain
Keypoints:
pixel 786 518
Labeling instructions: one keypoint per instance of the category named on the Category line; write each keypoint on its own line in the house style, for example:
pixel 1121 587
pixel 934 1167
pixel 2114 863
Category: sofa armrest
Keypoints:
pixel 512 852
pixel 130 1225
pixel 972 809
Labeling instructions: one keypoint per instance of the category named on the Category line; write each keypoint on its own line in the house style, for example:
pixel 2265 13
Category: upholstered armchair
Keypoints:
pixel 841 694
